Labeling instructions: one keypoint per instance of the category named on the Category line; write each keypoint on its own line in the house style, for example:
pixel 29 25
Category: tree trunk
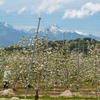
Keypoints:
pixel 14 87
pixel 36 96
pixel 67 78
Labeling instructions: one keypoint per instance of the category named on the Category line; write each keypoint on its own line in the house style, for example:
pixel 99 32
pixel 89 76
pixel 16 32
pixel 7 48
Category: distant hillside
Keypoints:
pixel 55 31
pixel 72 45
pixel 9 35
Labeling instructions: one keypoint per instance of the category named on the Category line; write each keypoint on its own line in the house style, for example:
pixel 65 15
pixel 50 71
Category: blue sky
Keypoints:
pixel 80 15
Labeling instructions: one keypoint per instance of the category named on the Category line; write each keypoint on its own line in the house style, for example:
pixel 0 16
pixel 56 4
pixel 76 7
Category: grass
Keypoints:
pixel 86 85
pixel 2 89
pixel 62 90
pixel 49 97
pixel 42 90
pixel 1 84
pixel 83 90
pixel 24 89
pixel 58 90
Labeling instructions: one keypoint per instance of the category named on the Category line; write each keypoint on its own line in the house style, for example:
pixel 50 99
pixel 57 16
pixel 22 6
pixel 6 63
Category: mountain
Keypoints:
pixel 73 34
pixel 55 31
pixel 32 31
pixel 9 35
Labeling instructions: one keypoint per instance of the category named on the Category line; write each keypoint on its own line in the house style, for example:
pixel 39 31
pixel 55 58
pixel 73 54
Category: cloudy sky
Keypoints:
pixel 80 15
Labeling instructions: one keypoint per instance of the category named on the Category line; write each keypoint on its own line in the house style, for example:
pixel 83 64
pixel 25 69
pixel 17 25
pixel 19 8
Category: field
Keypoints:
pixel 84 93
pixel 50 69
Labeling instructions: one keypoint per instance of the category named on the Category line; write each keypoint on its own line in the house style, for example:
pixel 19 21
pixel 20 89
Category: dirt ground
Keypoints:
pixel 55 94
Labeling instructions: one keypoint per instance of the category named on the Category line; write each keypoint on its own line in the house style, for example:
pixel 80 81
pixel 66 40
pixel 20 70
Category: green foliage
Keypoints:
pixel 83 90
pixel 82 43
pixel 72 44
pixel 11 48
pixel 54 65
pixel 54 98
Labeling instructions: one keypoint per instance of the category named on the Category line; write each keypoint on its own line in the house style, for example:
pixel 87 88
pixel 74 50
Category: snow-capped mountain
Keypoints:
pixel 5 24
pixel 74 31
pixel 55 31
pixel 32 31
pixel 9 35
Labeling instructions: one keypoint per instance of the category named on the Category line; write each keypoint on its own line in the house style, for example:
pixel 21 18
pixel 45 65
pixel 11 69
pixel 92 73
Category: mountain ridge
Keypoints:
pixel 10 35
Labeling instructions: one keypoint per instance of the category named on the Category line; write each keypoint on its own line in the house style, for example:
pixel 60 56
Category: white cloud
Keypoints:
pixel 7 11
pixel 93 8
pixel 20 11
pixel 50 6
pixel 86 10
pixel 2 2
pixel 33 7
